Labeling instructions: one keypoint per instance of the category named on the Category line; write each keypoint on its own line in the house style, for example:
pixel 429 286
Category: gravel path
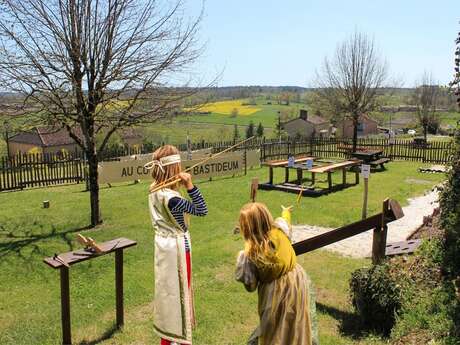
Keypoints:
pixel 360 246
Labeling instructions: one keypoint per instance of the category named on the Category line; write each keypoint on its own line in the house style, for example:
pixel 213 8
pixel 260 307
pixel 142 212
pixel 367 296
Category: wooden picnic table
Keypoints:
pixel 284 164
pixel 372 157
pixel 297 187
pixel 368 155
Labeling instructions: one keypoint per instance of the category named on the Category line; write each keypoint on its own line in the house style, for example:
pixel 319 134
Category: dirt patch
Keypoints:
pixel 430 228
pixel 415 338
pixel 417 181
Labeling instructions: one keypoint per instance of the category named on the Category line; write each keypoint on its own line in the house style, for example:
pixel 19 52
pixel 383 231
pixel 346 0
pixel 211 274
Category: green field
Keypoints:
pixel 176 131
pixel 268 115
pixel 29 290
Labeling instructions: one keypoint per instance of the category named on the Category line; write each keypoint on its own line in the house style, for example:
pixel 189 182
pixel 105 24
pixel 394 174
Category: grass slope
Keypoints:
pixel 29 290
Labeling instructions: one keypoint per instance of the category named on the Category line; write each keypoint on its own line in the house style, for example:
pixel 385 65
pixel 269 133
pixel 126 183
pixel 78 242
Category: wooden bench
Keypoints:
pixel 380 162
pixel 329 169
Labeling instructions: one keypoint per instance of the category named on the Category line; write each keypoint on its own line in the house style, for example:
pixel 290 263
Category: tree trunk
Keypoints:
pixel 94 188
pixel 355 132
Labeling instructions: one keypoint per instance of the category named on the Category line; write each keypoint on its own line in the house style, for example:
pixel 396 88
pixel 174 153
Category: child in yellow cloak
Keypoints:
pixel 269 264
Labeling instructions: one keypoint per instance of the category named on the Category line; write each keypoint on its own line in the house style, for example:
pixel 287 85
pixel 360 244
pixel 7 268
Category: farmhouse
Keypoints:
pixel 53 140
pixel 42 140
pixel 307 126
pixel 366 126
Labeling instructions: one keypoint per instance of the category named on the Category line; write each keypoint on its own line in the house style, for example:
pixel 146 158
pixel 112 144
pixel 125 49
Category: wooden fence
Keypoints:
pixel 40 170
pixel 433 152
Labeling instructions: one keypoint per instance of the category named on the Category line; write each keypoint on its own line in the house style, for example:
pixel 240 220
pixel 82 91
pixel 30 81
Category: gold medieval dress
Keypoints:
pixel 286 300
pixel 173 299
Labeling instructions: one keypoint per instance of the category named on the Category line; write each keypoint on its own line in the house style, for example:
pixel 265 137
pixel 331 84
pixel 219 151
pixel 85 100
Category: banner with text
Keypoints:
pixel 133 169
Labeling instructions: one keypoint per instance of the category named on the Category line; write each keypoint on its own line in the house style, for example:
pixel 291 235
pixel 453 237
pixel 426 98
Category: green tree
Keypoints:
pixel 236 133
pixel 260 130
pixel 250 130
pixel 278 126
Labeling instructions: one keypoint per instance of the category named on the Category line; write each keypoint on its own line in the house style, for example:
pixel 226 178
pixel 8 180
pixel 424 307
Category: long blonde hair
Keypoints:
pixel 159 176
pixel 256 222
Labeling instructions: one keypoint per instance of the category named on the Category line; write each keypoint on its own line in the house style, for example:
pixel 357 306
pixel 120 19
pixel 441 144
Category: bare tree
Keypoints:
pixel 426 99
pixel 95 66
pixel 349 82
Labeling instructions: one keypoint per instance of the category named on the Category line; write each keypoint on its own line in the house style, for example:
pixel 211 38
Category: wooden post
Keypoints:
pixel 254 187
pixel 270 174
pixel 245 156
pixel 299 176
pixel 366 192
pixel 329 181
pixel 65 306
pixel 286 175
pixel 365 171
pixel 119 286
pixel 379 240
pixel 344 177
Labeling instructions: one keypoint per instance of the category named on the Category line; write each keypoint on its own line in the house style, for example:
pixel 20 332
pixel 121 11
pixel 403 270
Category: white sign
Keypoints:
pixel 365 170
pixel 309 164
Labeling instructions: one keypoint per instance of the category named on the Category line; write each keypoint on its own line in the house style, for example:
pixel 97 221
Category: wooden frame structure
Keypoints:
pixel 65 260
pixel 391 211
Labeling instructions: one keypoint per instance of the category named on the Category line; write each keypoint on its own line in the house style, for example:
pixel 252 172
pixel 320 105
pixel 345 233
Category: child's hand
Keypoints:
pixel 186 180
pixel 287 209
pixel 286 214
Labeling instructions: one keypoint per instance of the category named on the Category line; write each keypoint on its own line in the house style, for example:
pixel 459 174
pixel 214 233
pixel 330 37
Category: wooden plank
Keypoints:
pixel 344 232
pixel 336 235
pixel 335 166
pixel 277 163
pixel 403 247
pixel 81 255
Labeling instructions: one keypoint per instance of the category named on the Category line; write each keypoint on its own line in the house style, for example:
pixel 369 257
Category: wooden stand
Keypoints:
pixel 71 258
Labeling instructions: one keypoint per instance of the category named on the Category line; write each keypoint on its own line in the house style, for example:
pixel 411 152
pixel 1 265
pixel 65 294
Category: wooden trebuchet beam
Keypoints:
pixel 392 213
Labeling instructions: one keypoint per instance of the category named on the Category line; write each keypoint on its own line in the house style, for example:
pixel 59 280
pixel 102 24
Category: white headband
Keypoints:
pixel 162 162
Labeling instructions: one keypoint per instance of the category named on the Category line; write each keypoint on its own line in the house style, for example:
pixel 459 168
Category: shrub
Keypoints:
pixel 376 297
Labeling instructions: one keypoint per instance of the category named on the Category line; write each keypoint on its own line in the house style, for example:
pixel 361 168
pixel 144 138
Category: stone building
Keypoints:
pixel 366 126
pixel 307 126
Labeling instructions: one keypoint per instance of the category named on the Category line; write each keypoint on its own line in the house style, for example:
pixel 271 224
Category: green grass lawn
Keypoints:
pixel 29 289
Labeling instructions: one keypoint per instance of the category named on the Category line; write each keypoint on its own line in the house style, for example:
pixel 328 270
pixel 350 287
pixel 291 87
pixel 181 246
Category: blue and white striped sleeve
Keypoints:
pixel 196 207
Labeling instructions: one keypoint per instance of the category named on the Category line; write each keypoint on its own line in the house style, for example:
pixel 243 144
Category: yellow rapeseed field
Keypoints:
pixel 226 108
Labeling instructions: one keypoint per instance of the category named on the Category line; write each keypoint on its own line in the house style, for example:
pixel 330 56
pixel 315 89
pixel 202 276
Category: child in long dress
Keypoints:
pixel 268 263
pixel 173 301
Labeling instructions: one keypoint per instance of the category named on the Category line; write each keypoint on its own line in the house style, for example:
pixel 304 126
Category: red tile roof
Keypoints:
pixel 46 136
